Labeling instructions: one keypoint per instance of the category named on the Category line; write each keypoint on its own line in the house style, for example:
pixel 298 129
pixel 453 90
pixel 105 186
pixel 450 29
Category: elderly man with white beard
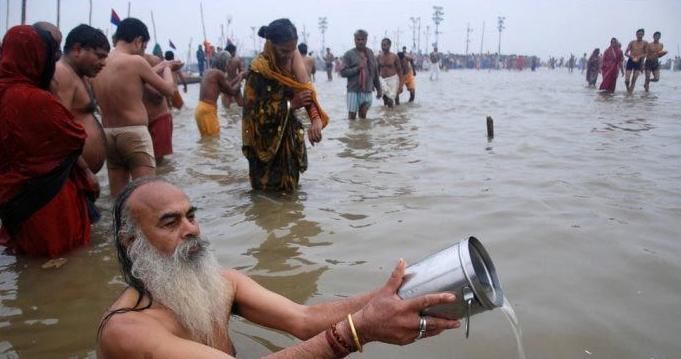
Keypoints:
pixel 179 299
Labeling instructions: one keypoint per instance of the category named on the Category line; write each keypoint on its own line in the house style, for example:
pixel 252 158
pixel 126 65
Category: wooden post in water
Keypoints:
pixel 23 12
pixel 490 127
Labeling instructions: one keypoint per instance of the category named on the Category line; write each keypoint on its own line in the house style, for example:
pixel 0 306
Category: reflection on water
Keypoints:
pixel 577 198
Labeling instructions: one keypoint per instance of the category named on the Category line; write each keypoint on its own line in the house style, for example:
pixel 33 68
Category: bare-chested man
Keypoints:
pixel 160 117
pixel 435 58
pixel 636 52
pixel 328 61
pixel 309 62
pixel 85 53
pixel 390 72
pixel 234 69
pixel 176 101
pixel 213 83
pixel 654 52
pixel 119 88
pixel 408 73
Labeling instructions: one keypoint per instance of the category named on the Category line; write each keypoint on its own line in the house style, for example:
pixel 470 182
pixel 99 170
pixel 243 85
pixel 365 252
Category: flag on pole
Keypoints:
pixel 114 18
pixel 172 46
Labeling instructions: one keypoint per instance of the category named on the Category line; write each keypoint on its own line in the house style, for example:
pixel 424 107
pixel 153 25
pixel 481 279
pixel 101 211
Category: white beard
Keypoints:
pixel 189 284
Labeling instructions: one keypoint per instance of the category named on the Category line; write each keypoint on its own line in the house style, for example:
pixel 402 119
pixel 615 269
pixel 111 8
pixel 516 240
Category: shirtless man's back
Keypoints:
pixel 85 53
pixel 390 72
pixel 309 62
pixel 119 88
pixel 213 83
pixel 234 69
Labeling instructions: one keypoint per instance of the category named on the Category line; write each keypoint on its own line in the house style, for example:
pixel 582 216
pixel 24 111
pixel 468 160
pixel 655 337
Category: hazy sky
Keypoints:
pixel 539 27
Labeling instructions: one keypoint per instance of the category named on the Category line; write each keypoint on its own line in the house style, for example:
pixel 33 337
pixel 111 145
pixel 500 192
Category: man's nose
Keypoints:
pixel 190 228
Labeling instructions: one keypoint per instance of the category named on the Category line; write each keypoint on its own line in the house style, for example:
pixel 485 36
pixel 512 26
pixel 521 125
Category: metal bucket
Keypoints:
pixel 464 269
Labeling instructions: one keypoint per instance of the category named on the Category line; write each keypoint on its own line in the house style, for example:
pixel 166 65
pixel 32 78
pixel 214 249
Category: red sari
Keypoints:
pixel 612 60
pixel 38 138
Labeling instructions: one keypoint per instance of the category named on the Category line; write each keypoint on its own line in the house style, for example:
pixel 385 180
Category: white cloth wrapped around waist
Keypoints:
pixel 390 85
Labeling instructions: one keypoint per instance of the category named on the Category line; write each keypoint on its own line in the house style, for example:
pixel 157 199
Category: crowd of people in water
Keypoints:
pixel 179 300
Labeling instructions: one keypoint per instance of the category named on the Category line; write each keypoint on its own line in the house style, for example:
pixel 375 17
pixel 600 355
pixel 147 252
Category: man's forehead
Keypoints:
pixel 156 198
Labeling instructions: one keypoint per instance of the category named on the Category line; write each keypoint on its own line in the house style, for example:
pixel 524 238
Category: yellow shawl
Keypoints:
pixel 266 65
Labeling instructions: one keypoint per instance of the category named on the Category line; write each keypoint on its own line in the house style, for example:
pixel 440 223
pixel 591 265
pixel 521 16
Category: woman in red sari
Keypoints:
pixel 612 62
pixel 43 179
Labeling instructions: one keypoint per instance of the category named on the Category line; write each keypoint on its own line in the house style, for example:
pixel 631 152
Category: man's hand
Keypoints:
pixel 314 133
pixel 185 88
pixel 92 182
pixel 389 319
pixel 301 99
pixel 174 65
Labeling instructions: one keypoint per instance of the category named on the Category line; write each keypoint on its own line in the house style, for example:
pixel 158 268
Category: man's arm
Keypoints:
pixel 398 67
pixel 627 52
pixel 272 310
pixel 165 84
pixel 230 87
pixel 661 52
pixel 349 69
pixel 182 80
pixel 376 80
pixel 62 85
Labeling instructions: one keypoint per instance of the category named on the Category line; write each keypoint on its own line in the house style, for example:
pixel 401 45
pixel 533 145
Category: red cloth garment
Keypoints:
pixel 37 135
pixel 612 58
pixel 363 71
pixel 161 130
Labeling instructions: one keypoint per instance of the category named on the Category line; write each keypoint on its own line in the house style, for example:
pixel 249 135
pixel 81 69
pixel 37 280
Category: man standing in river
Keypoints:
pixel 119 88
pixel 636 52
pixel 390 70
pixel 85 53
pixel 359 67
pixel 654 52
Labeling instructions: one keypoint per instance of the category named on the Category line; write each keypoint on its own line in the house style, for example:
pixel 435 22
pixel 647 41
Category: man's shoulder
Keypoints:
pixel 63 74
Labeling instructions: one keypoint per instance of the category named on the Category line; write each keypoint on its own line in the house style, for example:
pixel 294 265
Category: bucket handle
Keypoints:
pixel 468 298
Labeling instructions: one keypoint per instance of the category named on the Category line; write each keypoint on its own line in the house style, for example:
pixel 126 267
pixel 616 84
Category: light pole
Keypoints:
pixel 438 13
pixel 255 49
pixel 468 33
pixel 323 25
pixel 414 20
pixel 500 27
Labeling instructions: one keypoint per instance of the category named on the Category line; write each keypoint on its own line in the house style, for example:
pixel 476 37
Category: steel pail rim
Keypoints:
pixel 472 277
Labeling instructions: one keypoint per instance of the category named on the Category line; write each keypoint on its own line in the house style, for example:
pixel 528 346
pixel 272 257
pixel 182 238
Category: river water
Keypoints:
pixel 577 199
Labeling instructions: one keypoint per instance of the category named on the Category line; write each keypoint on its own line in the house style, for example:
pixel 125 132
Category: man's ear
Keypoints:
pixel 126 238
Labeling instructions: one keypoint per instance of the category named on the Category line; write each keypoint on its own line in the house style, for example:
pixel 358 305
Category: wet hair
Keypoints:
pixel 388 40
pixel 361 33
pixel 400 55
pixel 640 30
pixel 51 57
pixel 124 225
pixel 231 48
pixel 279 31
pixel 88 37
pixel 130 29
pixel 169 55
pixel 302 48
pixel 657 33
pixel 221 59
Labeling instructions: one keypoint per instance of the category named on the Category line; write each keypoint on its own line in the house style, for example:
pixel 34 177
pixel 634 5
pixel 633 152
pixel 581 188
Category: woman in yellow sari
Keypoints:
pixel 273 137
